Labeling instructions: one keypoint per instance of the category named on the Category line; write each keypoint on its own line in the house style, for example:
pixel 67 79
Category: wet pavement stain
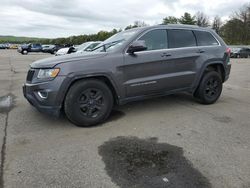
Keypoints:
pixel 7 103
pixel 223 119
pixel 134 162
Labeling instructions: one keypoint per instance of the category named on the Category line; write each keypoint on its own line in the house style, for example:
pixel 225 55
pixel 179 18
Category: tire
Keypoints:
pixel 88 103
pixel 210 88
pixel 24 52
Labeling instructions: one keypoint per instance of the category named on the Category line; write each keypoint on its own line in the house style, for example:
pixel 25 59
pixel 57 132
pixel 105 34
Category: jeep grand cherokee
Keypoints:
pixel 131 65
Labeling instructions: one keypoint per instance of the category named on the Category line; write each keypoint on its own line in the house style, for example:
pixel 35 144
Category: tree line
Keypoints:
pixel 235 31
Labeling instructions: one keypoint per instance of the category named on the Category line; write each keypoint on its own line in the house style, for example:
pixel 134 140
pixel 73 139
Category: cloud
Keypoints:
pixel 57 18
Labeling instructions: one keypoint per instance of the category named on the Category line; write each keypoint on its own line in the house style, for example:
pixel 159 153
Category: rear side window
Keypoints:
pixel 205 38
pixel 156 39
pixel 178 38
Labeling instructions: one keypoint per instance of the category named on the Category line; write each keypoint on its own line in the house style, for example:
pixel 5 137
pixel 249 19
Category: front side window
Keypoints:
pixel 178 38
pixel 155 40
pixel 205 38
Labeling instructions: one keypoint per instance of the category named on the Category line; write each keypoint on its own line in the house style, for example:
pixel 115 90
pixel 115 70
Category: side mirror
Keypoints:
pixel 137 46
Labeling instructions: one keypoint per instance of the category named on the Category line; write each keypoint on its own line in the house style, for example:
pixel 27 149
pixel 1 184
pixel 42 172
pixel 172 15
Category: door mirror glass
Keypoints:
pixel 137 46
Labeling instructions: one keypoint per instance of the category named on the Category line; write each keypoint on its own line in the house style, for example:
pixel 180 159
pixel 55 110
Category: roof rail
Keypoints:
pixel 183 25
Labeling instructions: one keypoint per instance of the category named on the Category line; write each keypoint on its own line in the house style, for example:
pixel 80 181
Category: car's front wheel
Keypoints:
pixel 210 88
pixel 88 102
pixel 24 52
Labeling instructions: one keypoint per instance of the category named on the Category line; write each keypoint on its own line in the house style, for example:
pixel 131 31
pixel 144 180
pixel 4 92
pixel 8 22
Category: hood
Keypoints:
pixel 53 61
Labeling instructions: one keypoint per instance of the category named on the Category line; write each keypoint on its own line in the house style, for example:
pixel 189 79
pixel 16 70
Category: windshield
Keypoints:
pixel 114 41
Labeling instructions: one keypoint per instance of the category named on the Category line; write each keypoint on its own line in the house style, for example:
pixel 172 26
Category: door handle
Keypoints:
pixel 200 51
pixel 165 55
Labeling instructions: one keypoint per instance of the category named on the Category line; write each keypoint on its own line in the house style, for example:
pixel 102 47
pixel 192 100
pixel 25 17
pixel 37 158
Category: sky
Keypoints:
pixel 63 18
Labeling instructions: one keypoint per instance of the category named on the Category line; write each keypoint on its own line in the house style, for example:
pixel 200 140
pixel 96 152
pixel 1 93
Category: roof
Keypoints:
pixel 176 26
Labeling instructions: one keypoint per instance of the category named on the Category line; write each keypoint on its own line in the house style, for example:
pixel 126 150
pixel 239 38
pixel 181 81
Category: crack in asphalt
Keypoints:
pixel 3 148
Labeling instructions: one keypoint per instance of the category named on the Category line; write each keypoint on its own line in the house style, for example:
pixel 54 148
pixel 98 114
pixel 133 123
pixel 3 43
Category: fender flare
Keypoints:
pixel 73 77
pixel 203 69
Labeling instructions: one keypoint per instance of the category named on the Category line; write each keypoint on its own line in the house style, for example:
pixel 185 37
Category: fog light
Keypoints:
pixel 43 94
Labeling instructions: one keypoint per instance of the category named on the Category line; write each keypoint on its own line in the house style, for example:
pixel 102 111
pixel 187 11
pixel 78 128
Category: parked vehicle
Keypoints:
pixel 13 46
pixel 51 48
pixel 64 51
pixel 132 65
pixel 85 47
pixel 4 46
pixel 240 52
pixel 27 48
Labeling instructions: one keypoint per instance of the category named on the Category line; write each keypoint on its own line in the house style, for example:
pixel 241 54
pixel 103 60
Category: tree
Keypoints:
pixel 202 20
pixel 136 24
pixel 237 29
pixel 216 25
pixel 187 19
pixel 170 20
pixel 244 16
pixel 232 31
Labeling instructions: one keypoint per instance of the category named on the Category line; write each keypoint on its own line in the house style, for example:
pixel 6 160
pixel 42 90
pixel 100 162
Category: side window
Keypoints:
pixel 156 39
pixel 178 38
pixel 205 38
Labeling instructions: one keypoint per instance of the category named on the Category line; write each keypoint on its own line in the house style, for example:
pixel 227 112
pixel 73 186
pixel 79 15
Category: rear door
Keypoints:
pixel 184 58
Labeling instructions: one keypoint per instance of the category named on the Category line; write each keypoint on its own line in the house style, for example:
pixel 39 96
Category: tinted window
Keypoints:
pixel 156 39
pixel 180 38
pixel 205 38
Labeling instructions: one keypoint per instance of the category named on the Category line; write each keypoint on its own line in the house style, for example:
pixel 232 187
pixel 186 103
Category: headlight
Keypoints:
pixel 47 73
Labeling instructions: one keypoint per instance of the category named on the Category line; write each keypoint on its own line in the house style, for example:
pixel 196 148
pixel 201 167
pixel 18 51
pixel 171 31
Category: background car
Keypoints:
pixel 13 46
pixel 85 47
pixel 240 52
pixel 4 46
pixel 26 48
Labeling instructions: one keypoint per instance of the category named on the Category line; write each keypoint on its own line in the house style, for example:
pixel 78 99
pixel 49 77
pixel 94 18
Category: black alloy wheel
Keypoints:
pixel 88 102
pixel 210 88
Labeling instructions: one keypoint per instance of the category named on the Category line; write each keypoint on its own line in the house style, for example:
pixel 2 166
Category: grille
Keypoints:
pixel 30 75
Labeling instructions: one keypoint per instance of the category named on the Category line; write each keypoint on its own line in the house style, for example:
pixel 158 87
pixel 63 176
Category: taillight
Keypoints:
pixel 228 51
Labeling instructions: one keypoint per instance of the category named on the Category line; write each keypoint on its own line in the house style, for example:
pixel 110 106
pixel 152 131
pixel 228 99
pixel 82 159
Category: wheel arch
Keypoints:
pixel 102 77
pixel 217 66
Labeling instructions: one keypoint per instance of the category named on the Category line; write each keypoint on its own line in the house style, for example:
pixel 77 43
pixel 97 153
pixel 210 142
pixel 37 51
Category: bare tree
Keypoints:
pixel 244 16
pixel 136 24
pixel 217 23
pixel 202 19
pixel 140 23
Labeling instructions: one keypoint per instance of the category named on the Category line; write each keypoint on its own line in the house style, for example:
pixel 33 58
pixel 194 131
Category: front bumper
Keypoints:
pixel 51 102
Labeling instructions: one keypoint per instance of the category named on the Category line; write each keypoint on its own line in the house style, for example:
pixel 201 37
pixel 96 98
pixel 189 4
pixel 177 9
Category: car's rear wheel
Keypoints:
pixel 210 88
pixel 88 103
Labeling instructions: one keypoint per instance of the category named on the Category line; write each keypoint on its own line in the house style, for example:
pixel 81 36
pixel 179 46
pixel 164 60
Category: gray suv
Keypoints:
pixel 132 65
